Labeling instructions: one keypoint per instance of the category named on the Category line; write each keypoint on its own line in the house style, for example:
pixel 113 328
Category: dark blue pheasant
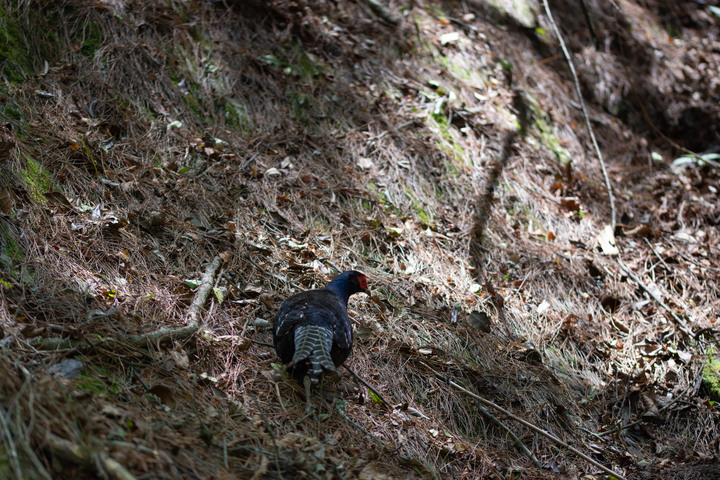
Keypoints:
pixel 312 332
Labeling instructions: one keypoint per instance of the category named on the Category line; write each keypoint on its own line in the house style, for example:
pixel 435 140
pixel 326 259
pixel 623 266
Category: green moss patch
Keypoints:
pixel 711 375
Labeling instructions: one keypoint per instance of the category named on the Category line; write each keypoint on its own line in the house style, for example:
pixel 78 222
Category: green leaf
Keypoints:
pixel 685 160
pixel 271 59
pixel 374 397
pixel 219 294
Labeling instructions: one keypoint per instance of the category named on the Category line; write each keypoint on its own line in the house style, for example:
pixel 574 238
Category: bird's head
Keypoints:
pixel 357 282
pixel 349 283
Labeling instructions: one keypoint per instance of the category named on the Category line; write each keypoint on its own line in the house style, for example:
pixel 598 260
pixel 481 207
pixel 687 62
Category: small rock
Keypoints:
pixel 68 368
pixel 261 323
pixel 479 321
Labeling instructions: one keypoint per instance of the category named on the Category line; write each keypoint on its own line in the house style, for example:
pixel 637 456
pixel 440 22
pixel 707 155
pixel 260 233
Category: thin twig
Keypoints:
pixel 539 430
pixel 657 255
pixel 496 421
pixel 512 435
pixel 378 394
pixel 680 322
pixel 247 164
pixel 608 186
pixel 714 269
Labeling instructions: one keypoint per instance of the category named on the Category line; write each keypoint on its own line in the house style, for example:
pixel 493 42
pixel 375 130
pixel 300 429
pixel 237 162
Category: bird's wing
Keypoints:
pixel 318 307
pixel 342 331
pixel 288 316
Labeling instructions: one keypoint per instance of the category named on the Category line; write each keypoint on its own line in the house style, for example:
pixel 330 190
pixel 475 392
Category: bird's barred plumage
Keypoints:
pixel 313 343
pixel 312 331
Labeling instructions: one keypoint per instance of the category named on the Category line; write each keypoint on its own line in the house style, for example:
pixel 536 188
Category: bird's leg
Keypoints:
pixel 326 394
pixel 309 408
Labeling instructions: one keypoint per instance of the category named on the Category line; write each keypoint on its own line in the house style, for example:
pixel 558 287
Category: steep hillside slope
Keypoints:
pixel 171 171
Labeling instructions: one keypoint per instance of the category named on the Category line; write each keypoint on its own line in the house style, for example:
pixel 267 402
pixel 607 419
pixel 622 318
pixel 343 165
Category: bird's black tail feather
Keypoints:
pixel 313 344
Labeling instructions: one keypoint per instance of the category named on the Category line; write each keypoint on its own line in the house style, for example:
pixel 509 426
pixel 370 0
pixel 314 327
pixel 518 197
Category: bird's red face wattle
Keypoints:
pixel 362 280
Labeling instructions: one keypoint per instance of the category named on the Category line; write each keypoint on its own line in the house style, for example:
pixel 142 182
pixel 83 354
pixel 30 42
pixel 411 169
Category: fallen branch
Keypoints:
pixel 203 292
pixel 143 340
pixel 83 455
pixel 381 11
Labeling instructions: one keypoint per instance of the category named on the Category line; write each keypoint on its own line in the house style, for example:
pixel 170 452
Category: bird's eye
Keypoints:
pixel 363 282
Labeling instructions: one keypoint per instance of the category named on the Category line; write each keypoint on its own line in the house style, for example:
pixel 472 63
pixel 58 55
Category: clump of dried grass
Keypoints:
pixel 405 221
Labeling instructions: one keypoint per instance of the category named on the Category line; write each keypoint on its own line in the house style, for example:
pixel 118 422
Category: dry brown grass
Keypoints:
pixel 136 217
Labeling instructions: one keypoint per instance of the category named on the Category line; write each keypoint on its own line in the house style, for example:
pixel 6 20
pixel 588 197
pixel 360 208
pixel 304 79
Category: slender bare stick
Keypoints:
pixel 657 255
pixel 496 421
pixel 512 435
pixel 379 395
pixel 539 430
pixel 680 322
pixel 608 186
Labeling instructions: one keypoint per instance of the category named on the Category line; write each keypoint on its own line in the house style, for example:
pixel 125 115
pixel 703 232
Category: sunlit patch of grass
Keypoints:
pixel 448 142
